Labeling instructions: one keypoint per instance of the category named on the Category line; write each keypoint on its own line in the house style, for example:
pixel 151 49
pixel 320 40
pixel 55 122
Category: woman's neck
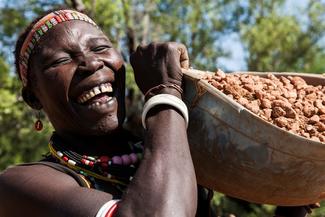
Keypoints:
pixel 115 143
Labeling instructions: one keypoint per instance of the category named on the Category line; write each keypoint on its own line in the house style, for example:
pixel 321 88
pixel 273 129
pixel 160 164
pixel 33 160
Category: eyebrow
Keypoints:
pixel 48 52
pixel 99 39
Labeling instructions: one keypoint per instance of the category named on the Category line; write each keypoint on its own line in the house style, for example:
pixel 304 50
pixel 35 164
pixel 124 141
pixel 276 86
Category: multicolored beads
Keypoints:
pixel 117 167
pixel 126 159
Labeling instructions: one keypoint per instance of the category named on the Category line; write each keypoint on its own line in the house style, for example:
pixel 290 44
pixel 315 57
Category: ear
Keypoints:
pixel 30 98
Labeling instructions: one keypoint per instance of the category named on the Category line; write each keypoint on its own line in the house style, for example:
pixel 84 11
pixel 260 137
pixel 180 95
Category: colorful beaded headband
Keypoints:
pixel 39 29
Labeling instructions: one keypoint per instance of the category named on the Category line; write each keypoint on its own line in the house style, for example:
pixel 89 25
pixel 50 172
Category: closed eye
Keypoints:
pixel 101 48
pixel 60 61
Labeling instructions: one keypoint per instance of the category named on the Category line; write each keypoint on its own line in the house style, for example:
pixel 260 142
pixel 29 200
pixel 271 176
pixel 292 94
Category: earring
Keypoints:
pixel 38 124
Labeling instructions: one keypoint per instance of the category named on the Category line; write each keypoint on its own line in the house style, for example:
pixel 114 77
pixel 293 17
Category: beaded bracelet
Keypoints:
pixel 156 89
pixel 164 99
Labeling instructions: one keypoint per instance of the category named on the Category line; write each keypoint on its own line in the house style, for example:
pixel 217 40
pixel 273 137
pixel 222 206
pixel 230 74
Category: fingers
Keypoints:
pixel 308 209
pixel 315 205
pixel 312 206
pixel 183 54
pixel 184 59
pixel 137 54
pixel 181 48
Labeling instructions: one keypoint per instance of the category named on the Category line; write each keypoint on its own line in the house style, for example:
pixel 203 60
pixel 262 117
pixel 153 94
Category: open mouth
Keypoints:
pixel 98 95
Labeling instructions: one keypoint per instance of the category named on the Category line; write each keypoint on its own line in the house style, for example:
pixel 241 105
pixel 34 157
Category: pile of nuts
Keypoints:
pixel 288 102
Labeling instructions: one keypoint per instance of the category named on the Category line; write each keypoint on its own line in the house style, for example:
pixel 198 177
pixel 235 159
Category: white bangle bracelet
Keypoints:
pixel 164 99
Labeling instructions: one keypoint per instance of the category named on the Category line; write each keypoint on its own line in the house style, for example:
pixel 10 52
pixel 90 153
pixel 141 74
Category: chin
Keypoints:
pixel 106 125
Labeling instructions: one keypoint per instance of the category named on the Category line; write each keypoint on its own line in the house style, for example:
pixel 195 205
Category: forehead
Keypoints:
pixel 68 35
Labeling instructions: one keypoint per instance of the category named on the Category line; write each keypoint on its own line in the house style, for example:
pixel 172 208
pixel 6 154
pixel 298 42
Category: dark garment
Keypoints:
pixel 283 211
pixel 204 202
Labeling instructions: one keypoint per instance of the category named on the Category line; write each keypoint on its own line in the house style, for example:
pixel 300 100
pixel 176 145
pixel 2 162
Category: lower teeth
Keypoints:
pixel 97 104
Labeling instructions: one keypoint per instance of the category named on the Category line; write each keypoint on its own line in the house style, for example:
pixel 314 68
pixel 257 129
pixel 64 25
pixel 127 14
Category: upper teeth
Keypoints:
pixel 87 95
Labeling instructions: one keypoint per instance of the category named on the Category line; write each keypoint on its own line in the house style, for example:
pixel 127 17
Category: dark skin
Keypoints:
pixel 74 57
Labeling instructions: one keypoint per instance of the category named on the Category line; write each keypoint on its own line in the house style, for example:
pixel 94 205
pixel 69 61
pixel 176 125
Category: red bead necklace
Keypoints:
pixel 116 169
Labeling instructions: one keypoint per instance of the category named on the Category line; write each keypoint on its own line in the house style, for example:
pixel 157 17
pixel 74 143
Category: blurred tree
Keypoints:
pixel 276 41
pixel 197 24
pixel 18 142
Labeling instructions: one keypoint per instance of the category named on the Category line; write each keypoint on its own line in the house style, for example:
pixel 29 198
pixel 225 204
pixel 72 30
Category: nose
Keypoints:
pixel 89 64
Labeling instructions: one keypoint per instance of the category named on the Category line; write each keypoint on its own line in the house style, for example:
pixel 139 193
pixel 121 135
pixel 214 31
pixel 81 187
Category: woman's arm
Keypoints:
pixel 42 191
pixel 165 183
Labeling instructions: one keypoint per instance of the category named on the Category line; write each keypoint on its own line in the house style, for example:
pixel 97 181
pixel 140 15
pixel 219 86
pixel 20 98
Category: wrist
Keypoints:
pixel 172 89
pixel 165 99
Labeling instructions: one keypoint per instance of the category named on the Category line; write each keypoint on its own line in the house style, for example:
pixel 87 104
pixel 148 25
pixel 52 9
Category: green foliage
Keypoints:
pixel 197 24
pixel 182 20
pixel 224 206
pixel 270 43
pixel 280 42
pixel 109 16
pixel 18 141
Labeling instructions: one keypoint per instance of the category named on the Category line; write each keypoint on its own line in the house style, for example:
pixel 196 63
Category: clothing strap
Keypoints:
pixel 82 182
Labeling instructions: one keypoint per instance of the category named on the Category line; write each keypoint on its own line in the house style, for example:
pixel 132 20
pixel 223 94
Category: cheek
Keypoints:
pixel 61 76
pixel 116 60
pixel 120 64
pixel 54 83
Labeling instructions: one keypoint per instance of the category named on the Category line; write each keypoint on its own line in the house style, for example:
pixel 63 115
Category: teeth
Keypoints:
pixel 98 104
pixel 92 94
pixel 96 90
pixel 106 88
pixel 103 88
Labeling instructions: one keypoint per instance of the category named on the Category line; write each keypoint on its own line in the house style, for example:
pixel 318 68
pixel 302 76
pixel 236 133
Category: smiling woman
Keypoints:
pixel 81 62
pixel 70 70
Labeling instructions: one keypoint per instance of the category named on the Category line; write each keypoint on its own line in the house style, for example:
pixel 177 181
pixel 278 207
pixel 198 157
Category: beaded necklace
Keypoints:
pixel 117 169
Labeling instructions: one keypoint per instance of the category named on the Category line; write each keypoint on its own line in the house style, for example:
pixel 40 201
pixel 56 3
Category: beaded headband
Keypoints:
pixel 39 29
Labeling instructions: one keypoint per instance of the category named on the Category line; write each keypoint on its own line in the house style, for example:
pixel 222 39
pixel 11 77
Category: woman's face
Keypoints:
pixel 79 79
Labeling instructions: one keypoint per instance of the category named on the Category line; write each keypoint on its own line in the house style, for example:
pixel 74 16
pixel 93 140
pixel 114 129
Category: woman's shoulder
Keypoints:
pixel 40 190
pixel 16 178
pixel 29 186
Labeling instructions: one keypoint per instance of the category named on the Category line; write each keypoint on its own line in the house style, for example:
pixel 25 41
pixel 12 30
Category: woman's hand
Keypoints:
pixel 160 63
